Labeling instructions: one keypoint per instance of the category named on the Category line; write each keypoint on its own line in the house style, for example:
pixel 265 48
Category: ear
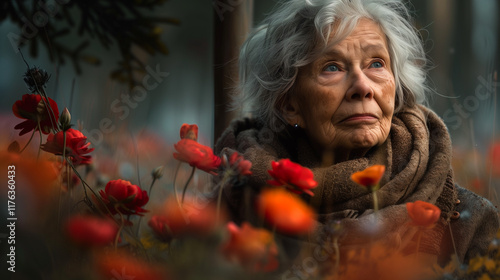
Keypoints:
pixel 291 112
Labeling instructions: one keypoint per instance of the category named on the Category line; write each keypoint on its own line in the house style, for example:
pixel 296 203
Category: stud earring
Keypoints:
pixel 296 126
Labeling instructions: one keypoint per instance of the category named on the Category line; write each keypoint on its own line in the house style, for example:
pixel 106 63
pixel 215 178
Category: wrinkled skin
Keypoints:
pixel 344 99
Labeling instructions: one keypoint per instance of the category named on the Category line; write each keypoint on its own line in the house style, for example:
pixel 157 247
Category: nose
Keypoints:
pixel 359 88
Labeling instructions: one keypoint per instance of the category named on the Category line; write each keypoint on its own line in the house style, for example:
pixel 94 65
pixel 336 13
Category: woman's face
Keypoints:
pixel 344 99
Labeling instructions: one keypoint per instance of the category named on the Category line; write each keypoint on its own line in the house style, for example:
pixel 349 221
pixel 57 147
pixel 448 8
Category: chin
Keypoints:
pixel 365 141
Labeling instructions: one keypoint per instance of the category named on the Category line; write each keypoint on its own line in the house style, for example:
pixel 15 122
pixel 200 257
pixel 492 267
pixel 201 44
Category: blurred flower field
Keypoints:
pixel 137 207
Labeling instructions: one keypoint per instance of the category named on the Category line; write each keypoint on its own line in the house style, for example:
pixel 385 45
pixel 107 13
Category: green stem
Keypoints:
pixel 375 202
pixel 50 112
pixel 64 146
pixel 68 180
pixel 122 222
pixel 219 197
pixel 59 206
pixel 149 194
pixel 187 183
pixel 175 189
pixel 29 141
pixel 453 241
pixel 151 186
pixel 40 132
pixel 337 254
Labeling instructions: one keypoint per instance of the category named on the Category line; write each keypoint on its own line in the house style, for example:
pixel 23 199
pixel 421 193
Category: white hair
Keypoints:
pixel 288 39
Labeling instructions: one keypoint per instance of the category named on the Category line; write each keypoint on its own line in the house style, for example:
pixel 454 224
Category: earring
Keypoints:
pixel 296 126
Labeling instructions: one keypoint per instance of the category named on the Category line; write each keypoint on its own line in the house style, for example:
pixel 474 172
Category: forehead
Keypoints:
pixel 366 34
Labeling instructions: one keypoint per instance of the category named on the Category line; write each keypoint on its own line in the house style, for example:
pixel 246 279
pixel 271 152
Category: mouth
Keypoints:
pixel 360 117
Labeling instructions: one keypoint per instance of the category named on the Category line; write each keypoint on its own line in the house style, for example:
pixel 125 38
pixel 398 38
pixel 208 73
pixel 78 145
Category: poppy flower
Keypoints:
pixel 297 178
pixel 422 213
pixel 286 211
pixel 76 146
pixel 125 196
pixel 242 165
pixel 251 247
pixel 120 265
pixel 189 131
pixel 160 227
pixel 370 177
pixel 236 168
pixel 197 155
pixel 33 109
pixel 169 222
pixel 91 231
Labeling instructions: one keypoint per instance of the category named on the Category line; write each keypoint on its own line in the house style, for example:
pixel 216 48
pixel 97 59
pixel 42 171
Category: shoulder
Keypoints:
pixel 473 205
pixel 237 129
pixel 474 223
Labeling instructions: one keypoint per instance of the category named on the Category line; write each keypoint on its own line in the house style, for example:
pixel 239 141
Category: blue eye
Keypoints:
pixel 332 68
pixel 376 64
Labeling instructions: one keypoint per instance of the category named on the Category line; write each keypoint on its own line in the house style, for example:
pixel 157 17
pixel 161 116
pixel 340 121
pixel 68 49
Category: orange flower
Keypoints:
pixel 33 109
pixel 76 146
pixel 197 155
pixel 422 213
pixel 42 181
pixel 250 247
pixel 119 265
pixel 91 231
pixel 170 222
pixel 292 175
pixel 370 177
pixel 286 211
pixel 189 131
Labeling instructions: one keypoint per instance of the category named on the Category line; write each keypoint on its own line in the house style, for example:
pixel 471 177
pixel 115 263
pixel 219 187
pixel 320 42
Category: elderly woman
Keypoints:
pixel 337 86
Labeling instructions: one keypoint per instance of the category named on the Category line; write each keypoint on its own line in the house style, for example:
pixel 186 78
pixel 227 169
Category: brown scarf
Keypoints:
pixel 417 156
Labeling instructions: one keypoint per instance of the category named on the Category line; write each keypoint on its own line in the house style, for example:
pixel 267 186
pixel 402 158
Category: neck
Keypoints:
pixel 330 157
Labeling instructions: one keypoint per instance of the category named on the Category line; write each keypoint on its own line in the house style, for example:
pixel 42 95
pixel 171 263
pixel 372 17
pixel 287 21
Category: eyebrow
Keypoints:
pixel 369 48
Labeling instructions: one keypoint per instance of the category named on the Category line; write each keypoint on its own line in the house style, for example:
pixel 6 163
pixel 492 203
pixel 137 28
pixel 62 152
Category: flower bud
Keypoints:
pixel 157 172
pixel 65 120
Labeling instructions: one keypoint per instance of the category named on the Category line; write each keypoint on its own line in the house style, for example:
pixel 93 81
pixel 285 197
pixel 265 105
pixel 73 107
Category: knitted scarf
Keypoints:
pixel 417 156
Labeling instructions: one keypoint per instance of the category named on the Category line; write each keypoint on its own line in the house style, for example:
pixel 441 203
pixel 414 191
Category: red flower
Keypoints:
pixel 287 212
pixel 159 225
pixel 252 248
pixel 197 155
pixel 370 177
pixel 127 198
pixel 170 222
pixel 423 213
pixel 33 109
pixel 76 146
pixel 237 165
pixel 294 176
pixel 91 231
pixel 189 131
pixel 242 165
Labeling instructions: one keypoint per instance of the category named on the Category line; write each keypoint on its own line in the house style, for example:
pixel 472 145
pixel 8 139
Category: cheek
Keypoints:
pixel 388 97
pixel 319 105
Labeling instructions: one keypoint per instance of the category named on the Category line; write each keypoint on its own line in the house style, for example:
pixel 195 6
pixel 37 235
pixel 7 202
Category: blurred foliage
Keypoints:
pixel 115 24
